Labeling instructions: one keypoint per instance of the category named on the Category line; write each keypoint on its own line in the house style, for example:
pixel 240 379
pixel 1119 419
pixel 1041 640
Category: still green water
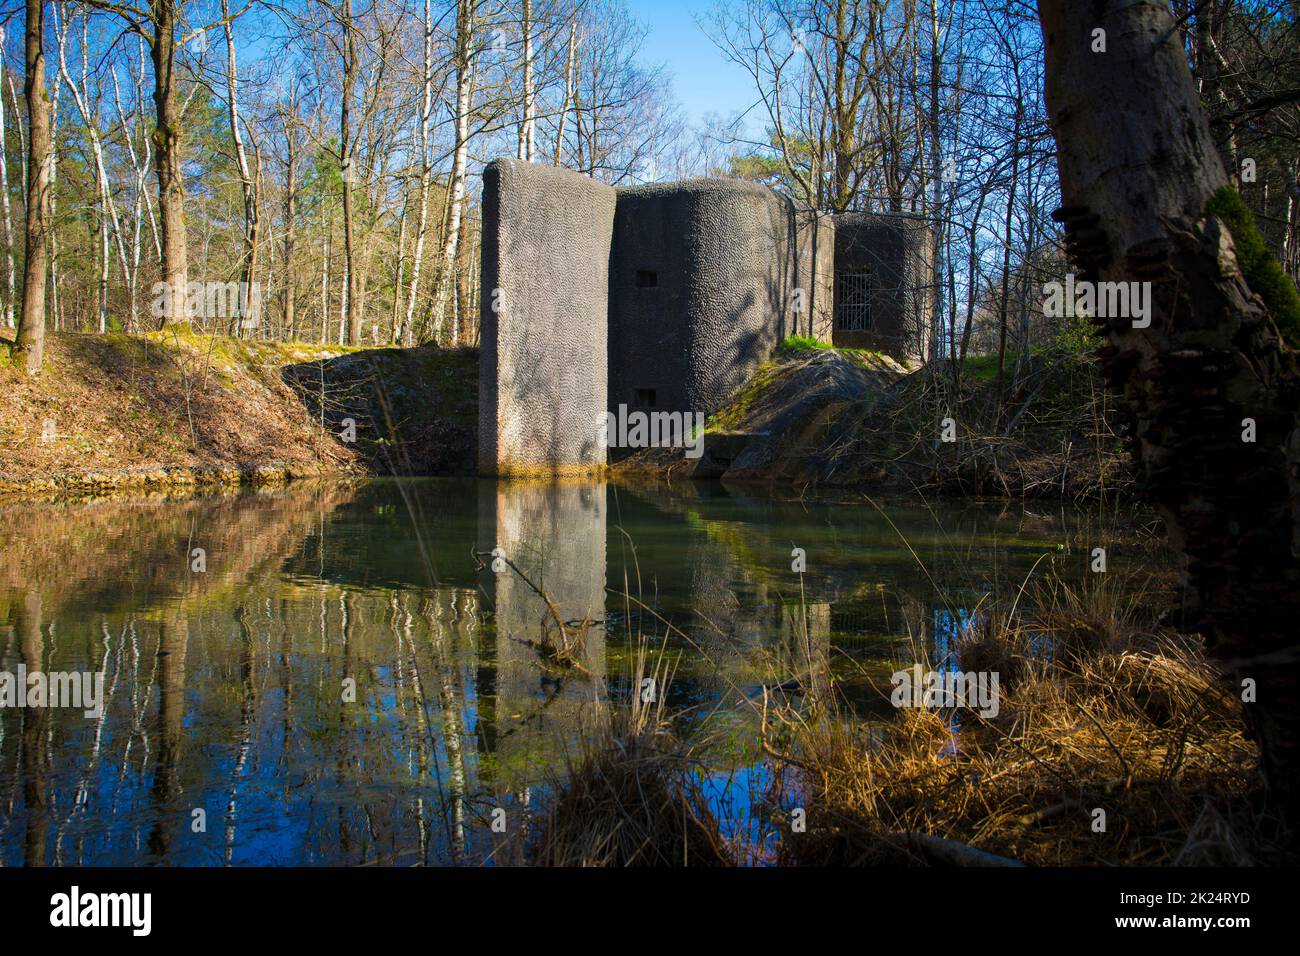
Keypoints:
pixel 331 674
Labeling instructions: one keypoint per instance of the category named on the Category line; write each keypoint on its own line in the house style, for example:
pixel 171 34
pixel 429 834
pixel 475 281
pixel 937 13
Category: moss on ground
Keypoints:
pixel 737 410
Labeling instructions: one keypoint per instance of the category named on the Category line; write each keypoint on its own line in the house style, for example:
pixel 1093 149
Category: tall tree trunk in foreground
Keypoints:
pixel 1137 169
pixel 167 154
pixel 10 272
pixel 30 341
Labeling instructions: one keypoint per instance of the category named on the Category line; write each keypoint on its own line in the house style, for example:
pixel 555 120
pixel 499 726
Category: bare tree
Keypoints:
pixel 10 270
pixel 29 344
pixel 247 180
pixel 466 30
pixel 110 226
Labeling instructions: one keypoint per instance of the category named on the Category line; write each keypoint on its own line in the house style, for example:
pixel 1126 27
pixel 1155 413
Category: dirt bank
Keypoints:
pixel 175 409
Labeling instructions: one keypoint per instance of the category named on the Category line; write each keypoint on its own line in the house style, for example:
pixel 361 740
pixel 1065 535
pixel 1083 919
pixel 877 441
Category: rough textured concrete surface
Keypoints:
pixel 895 252
pixel 702 287
pixel 542 376
pixel 665 298
pixel 815 261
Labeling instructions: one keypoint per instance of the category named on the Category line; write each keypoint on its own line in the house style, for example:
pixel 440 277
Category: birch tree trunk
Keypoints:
pixel 290 221
pixel 18 124
pixel 399 269
pixel 1137 168
pixel 426 174
pixel 465 12
pixel 248 269
pixel 108 219
pixel 324 275
pixel 527 147
pixel 137 208
pixel 568 89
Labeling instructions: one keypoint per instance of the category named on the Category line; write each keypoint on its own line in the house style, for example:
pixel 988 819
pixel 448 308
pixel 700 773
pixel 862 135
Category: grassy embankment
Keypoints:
pixel 176 409
pixel 848 418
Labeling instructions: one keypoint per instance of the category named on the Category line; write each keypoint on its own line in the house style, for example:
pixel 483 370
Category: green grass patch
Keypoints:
pixel 982 368
pixel 801 343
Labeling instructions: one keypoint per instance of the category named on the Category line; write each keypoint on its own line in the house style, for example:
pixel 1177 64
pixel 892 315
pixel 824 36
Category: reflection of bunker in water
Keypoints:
pixel 739 614
pixel 554 533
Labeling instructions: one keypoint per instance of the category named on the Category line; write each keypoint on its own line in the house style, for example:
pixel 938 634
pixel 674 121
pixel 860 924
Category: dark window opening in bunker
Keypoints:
pixel 853 302
pixel 644 397
pixel 647 279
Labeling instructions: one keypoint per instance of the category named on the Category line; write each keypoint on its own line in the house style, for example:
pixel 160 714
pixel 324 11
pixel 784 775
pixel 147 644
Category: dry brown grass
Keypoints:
pixel 631 796
pixel 155 401
pixel 1105 715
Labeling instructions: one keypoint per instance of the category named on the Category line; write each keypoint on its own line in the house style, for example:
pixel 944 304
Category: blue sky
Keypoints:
pixel 702 78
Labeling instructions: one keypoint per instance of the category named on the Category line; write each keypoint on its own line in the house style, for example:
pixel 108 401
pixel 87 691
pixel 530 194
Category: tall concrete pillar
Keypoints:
pixel 542 371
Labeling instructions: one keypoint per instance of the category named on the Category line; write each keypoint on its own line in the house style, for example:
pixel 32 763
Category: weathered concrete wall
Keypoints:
pixel 815 272
pixel 664 297
pixel 895 250
pixel 542 373
pixel 702 287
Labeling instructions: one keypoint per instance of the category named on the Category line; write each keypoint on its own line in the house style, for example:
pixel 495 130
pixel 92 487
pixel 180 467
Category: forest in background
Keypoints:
pixel 327 152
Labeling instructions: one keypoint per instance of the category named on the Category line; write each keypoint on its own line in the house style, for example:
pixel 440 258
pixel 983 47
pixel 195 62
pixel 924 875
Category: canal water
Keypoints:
pixel 355 674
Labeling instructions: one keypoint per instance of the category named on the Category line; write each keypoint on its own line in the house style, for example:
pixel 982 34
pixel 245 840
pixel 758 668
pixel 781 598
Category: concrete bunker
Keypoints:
pixel 882 284
pixel 706 277
pixel 665 298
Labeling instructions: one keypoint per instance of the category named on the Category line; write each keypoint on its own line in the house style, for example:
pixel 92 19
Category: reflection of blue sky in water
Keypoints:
pixel 224 689
pixel 950 628
pixel 745 819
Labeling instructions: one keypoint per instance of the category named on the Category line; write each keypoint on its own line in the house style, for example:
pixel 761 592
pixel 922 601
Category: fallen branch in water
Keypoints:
pixel 567 651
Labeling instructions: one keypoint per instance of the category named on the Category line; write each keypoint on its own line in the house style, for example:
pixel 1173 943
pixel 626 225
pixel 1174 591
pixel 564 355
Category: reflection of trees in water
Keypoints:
pixel 239 712
pixel 173 645
pixel 136 552
pixel 35 723
pixel 741 617
pixel 242 715
pixel 223 692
